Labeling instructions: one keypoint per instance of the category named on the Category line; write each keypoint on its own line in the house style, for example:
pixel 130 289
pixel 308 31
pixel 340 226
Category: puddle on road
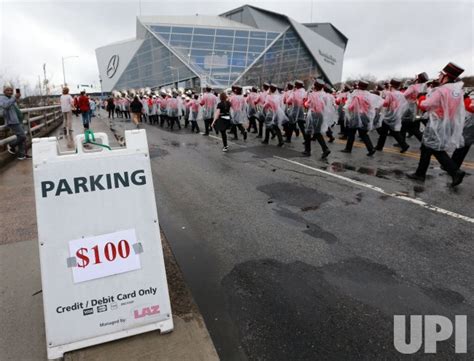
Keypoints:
pixel 156 151
pixel 295 195
pixel 338 167
pixel 340 311
pixel 302 199
pixel 309 228
pixel 418 189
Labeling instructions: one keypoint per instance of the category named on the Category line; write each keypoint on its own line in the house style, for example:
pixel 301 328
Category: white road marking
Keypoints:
pixel 416 201
pixel 219 138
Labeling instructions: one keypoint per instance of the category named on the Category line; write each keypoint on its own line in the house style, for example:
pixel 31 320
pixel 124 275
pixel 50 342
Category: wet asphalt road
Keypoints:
pixel 287 263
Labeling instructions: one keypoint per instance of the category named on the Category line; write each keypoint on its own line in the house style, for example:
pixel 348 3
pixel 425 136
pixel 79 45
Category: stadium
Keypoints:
pixel 246 45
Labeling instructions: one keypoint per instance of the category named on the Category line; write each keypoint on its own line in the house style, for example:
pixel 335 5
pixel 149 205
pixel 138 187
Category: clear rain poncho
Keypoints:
pixel 330 110
pixel 361 108
pixel 209 103
pixel 411 95
pixel 274 113
pixel 377 102
pixel 445 106
pixel 172 107
pixel 318 115
pixel 194 110
pixel 295 105
pixel 395 107
pixel 252 99
pixel 238 109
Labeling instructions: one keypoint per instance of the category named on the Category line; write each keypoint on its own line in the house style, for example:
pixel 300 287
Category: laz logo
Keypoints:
pixel 147 311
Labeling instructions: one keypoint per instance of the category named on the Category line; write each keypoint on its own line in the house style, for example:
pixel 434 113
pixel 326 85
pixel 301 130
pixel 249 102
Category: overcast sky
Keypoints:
pixel 386 37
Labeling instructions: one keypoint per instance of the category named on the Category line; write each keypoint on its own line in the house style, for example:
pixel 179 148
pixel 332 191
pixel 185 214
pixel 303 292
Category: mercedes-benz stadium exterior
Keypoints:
pixel 247 45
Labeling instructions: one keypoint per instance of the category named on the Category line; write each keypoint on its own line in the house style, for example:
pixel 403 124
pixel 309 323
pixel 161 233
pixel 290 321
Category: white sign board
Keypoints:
pixel 102 265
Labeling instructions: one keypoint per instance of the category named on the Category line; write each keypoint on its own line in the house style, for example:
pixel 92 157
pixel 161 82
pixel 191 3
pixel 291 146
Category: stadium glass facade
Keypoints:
pixel 220 51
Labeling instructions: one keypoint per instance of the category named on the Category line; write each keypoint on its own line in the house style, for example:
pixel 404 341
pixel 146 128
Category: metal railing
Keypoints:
pixel 36 121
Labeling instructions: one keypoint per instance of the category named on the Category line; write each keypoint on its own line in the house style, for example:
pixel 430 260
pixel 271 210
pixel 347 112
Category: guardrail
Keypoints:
pixel 37 122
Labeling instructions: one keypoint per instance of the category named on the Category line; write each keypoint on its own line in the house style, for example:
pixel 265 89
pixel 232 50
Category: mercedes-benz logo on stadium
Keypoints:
pixel 112 66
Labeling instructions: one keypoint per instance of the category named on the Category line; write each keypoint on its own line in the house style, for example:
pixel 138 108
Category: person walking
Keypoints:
pixel 445 125
pixel 126 106
pixel 295 102
pixel 260 102
pixel 208 103
pixel 84 108
pixel 173 110
pixel 252 99
pixel 163 106
pixel 76 106
pixel 468 133
pixel 111 107
pixel 238 111
pixel 274 115
pixel 361 108
pixel 410 124
pixel 136 107
pixel 194 113
pixel 146 109
pixel 67 104
pixel 92 106
pixel 396 105
pixel 317 119
pixel 341 100
pixel 221 120
pixel 14 120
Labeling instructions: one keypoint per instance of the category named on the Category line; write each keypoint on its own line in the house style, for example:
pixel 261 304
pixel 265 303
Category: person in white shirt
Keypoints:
pixel 67 103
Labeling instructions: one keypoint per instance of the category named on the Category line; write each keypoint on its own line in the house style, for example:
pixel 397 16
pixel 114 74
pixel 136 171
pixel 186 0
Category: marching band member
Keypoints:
pixel 295 101
pixel 409 122
pixel 208 103
pixel 341 100
pixel 194 113
pixel 360 110
pixel 173 109
pixel 274 115
pixel 238 111
pixel 252 113
pixel 445 126
pixel 260 109
pixel 317 118
pixel 396 105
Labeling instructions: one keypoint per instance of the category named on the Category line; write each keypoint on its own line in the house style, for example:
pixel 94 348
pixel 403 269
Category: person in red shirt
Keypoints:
pixel 84 108
pixel 468 133
pixel 468 103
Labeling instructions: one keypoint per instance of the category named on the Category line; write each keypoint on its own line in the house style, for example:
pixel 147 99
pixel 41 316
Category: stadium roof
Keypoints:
pixel 195 20
pixel 309 34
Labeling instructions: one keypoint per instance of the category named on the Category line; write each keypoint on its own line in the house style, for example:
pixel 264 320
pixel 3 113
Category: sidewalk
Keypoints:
pixel 23 333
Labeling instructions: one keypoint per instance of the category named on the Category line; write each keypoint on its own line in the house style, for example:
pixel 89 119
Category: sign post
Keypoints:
pixel 102 266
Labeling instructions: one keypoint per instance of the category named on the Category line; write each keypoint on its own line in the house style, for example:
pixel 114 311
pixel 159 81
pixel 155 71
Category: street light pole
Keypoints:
pixel 101 91
pixel 64 71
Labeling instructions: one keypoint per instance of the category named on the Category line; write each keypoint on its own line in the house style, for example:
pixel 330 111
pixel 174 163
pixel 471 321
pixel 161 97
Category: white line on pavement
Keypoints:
pixel 219 138
pixel 418 202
